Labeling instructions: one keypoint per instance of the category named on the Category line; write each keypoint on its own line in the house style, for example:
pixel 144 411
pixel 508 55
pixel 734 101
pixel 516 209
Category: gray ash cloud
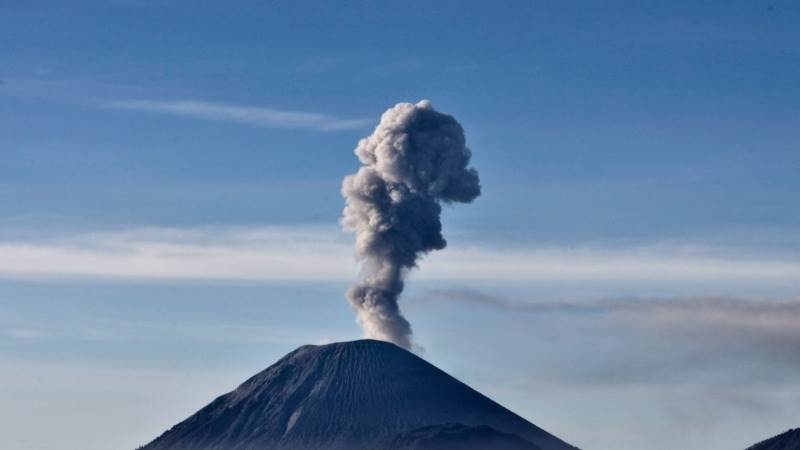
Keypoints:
pixel 415 160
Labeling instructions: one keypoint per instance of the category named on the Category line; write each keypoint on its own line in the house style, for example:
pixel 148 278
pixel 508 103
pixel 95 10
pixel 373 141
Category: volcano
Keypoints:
pixel 789 440
pixel 355 395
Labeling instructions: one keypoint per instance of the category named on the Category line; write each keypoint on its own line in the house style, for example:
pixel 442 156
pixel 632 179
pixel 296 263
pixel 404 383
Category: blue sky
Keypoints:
pixel 169 197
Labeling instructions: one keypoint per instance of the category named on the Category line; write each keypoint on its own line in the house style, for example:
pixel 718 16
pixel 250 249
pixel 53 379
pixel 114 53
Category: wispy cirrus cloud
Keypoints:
pixel 251 115
pixel 323 252
pixel 256 254
pixel 734 307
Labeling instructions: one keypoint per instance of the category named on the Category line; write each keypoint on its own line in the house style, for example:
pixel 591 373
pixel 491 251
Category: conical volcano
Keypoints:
pixel 790 440
pixel 356 395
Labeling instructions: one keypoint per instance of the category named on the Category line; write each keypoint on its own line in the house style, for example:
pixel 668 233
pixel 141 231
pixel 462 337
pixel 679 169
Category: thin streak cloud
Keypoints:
pixel 251 115
pixel 324 253
pixel 726 309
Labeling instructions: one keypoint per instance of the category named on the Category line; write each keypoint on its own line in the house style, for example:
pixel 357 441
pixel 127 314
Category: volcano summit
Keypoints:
pixel 356 395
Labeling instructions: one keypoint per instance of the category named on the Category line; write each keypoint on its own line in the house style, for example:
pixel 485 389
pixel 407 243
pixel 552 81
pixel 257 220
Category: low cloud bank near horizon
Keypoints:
pixel 324 253
pixel 251 115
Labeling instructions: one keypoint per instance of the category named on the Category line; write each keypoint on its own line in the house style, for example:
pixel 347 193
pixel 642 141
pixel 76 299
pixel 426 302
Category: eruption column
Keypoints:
pixel 415 160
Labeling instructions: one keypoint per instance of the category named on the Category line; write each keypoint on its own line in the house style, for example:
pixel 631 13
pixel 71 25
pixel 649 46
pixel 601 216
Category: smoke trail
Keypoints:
pixel 415 159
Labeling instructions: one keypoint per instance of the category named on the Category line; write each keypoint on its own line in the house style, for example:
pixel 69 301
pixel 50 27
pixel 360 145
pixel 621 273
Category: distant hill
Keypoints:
pixel 789 440
pixel 360 395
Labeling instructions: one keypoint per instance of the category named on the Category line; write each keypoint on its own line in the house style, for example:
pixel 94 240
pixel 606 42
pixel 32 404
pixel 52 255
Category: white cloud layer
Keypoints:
pixel 259 116
pixel 323 253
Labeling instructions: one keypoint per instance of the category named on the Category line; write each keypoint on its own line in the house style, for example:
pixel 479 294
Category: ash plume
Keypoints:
pixel 415 160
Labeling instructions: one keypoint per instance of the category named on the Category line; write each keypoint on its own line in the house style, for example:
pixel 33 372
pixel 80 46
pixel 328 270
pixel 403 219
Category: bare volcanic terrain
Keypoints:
pixel 356 395
pixel 789 440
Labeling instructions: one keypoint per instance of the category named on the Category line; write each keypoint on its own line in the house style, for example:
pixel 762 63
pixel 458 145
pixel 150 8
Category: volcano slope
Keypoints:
pixel 789 440
pixel 357 395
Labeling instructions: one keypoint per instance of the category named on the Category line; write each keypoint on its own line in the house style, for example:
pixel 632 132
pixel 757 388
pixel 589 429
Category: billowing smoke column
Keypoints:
pixel 414 160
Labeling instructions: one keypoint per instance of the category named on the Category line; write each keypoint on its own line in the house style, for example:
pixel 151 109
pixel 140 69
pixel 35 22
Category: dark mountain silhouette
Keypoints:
pixel 789 440
pixel 457 436
pixel 354 396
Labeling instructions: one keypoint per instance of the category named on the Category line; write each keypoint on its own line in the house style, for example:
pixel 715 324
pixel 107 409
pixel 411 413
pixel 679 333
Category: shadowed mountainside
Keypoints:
pixel 356 395
pixel 789 440
pixel 456 436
